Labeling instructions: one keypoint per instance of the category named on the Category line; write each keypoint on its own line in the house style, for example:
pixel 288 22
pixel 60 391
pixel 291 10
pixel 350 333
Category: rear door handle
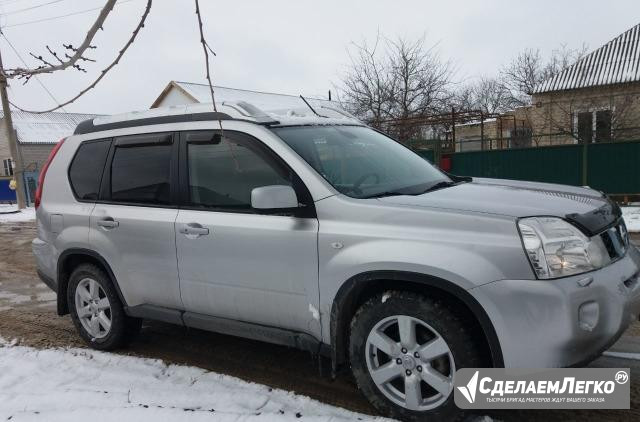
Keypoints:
pixel 193 230
pixel 108 223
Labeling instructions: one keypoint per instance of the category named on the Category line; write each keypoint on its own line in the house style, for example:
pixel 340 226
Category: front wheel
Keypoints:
pixel 405 349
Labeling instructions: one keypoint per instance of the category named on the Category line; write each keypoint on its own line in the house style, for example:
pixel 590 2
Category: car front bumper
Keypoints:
pixel 563 322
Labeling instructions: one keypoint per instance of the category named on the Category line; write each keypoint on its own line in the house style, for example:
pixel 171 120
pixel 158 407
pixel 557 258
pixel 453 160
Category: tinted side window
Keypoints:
pixel 223 171
pixel 86 168
pixel 141 172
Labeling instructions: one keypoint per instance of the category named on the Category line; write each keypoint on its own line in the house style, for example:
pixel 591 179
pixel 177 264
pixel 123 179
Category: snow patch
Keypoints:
pixel 15 298
pixel 631 218
pixel 26 214
pixel 386 296
pixel 80 385
pixel 47 296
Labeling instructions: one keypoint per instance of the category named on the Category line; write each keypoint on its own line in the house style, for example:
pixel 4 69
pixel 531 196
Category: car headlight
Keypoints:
pixel 558 249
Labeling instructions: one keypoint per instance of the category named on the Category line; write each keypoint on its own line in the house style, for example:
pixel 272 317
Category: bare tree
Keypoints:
pixel 488 95
pixel 396 80
pixel 367 86
pixel 421 80
pixel 529 68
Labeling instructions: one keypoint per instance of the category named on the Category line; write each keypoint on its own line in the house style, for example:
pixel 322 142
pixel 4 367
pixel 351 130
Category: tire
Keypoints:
pixel 93 301
pixel 436 324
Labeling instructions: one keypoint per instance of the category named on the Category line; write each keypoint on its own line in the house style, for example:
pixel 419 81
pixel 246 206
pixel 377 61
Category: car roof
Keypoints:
pixel 319 114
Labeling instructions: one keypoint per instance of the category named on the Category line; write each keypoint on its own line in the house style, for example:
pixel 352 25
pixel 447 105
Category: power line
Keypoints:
pixel 60 16
pixel 25 64
pixel 32 7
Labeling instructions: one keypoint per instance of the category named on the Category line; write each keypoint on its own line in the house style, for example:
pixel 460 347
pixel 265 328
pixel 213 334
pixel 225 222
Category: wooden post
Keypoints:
pixel 12 139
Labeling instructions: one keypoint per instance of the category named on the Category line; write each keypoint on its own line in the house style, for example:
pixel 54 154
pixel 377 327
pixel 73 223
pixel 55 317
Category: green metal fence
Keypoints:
pixel 427 154
pixel 613 168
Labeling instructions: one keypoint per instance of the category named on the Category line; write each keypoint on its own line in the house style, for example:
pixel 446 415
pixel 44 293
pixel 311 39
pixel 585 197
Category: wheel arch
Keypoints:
pixel 356 290
pixel 70 259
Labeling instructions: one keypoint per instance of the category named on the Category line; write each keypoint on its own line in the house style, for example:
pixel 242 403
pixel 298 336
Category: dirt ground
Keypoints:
pixel 27 313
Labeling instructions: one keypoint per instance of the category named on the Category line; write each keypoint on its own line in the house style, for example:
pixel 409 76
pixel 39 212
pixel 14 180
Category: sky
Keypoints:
pixel 292 47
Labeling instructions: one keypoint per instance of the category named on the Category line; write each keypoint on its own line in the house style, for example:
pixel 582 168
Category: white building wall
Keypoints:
pixel 175 97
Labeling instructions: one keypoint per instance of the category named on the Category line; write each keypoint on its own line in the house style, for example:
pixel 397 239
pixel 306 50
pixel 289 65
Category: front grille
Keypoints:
pixel 615 240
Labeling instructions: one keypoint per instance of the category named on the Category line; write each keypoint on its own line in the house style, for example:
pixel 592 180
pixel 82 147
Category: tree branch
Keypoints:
pixel 106 70
pixel 206 49
pixel 71 60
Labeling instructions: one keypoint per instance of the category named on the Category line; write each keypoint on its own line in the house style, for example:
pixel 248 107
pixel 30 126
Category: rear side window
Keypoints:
pixel 86 168
pixel 141 170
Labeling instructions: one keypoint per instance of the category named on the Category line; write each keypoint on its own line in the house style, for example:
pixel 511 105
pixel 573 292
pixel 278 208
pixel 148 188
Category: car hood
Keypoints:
pixel 587 208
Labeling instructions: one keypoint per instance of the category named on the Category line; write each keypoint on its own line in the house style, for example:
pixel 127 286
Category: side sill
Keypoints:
pixel 264 333
pixel 156 313
pixel 231 327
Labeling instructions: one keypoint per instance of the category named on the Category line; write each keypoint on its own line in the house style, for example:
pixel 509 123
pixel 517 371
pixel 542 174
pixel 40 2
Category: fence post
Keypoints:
pixel 482 130
pixel 585 166
pixel 453 127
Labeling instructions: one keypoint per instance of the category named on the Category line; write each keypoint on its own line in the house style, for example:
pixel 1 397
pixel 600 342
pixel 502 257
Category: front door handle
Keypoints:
pixel 193 230
pixel 108 223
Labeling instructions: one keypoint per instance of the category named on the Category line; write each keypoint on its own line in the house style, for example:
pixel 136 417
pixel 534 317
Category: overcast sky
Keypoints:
pixel 284 46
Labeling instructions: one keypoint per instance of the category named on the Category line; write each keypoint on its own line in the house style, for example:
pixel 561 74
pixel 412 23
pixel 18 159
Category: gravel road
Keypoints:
pixel 27 313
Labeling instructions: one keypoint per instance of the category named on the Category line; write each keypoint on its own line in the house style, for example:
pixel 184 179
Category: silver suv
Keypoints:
pixel 318 232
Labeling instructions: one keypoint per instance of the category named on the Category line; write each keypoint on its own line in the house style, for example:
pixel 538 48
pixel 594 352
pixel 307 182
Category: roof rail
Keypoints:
pixel 89 126
pixel 233 110
pixel 249 110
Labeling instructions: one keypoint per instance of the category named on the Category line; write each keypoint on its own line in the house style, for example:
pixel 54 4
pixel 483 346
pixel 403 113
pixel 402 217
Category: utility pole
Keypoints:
pixel 11 137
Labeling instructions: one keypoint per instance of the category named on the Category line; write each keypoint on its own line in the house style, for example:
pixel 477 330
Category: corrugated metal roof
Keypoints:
pixel 616 62
pixel 263 100
pixel 45 128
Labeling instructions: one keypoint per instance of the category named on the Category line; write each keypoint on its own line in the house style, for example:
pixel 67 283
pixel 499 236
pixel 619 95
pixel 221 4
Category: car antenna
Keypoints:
pixel 311 108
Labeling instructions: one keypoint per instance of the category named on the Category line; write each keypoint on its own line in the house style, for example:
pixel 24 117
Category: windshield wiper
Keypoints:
pixel 439 185
pixel 385 193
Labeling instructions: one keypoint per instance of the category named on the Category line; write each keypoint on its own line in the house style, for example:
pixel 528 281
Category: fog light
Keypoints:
pixel 588 315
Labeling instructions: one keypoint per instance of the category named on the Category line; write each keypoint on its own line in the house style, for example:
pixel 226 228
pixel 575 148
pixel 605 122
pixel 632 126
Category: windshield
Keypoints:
pixel 360 162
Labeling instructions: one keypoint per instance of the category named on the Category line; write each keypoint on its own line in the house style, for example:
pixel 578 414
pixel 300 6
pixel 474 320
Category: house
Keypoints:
pixel 503 131
pixel 179 93
pixel 36 135
pixel 597 99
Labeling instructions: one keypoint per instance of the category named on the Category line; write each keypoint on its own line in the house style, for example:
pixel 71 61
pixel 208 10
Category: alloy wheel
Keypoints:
pixel 410 362
pixel 93 308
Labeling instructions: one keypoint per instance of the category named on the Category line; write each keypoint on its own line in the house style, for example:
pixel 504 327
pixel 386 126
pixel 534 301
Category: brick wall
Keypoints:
pixel 552 117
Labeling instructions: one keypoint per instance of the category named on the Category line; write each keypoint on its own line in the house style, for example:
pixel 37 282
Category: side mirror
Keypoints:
pixel 274 197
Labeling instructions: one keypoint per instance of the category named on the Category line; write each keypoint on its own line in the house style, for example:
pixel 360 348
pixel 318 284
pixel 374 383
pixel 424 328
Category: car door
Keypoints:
pixel 132 225
pixel 234 262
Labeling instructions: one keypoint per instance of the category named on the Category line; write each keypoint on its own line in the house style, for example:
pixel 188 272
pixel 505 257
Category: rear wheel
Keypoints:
pixel 97 311
pixel 405 349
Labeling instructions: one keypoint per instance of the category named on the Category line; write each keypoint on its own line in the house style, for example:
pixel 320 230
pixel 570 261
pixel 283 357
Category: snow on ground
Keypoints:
pixel 8 214
pixel 632 218
pixel 80 385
